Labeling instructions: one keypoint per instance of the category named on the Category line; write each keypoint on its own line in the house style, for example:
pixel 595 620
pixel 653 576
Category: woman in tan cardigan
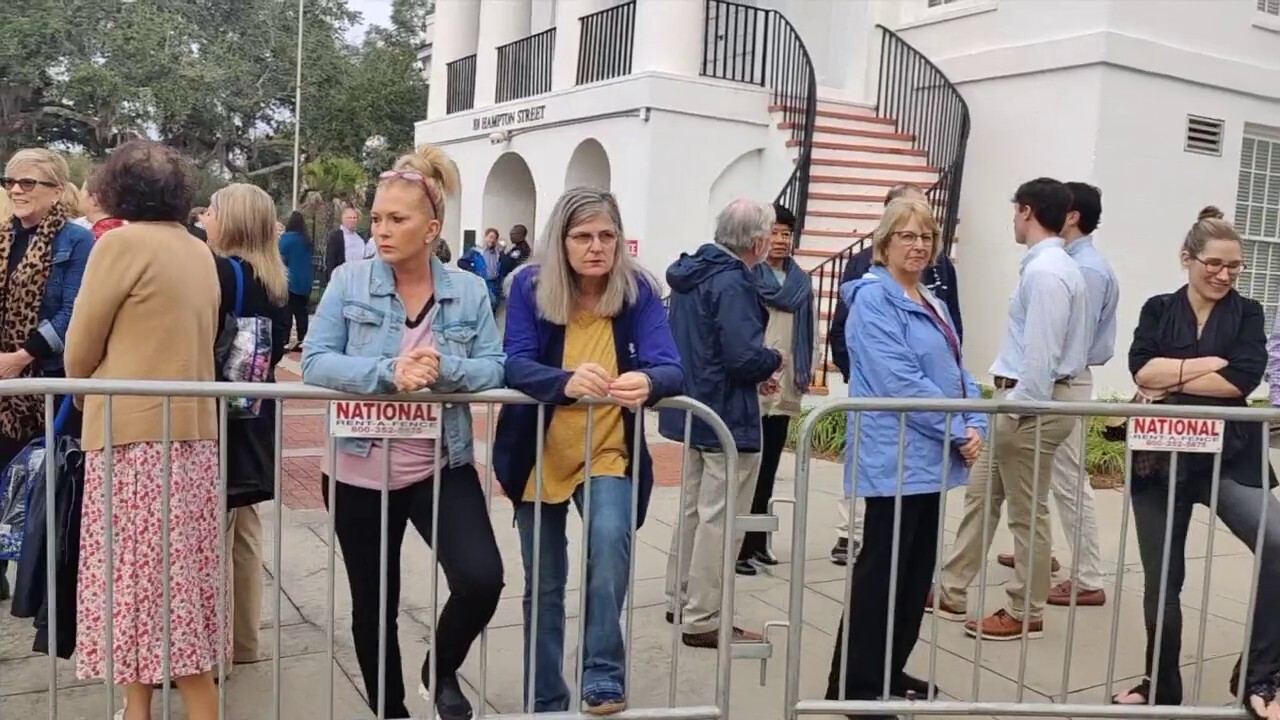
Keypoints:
pixel 148 309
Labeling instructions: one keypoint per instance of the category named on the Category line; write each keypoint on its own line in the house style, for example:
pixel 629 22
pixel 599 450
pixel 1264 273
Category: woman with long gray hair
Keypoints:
pixel 585 322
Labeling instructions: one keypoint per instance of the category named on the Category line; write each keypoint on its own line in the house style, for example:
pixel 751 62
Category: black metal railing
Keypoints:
pixel 735 43
pixel 524 67
pixel 759 46
pixel 606 43
pixel 460 84
pixel 915 93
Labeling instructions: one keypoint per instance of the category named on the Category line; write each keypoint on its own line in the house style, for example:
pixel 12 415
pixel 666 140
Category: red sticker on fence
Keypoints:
pixel 1175 434
pixel 375 419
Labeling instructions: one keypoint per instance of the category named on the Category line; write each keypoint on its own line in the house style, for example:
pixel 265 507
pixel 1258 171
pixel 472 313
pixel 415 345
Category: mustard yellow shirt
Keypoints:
pixel 587 339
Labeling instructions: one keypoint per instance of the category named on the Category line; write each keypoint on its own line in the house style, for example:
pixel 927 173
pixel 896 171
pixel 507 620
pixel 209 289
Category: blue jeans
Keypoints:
pixel 608 570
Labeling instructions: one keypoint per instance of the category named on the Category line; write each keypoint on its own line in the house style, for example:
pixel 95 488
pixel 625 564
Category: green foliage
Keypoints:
pixel 212 78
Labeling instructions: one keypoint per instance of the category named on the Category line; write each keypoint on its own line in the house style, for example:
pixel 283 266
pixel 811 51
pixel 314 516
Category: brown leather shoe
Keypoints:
pixel 1006 559
pixel 1060 595
pixel 1003 626
pixel 711 638
pixel 944 611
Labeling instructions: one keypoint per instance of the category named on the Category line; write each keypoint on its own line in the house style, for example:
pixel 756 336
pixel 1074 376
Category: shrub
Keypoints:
pixel 1104 459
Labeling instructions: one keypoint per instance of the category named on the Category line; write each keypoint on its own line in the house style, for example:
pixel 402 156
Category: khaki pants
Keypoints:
pixel 244 572
pixel 1066 483
pixel 1020 471
pixel 697 570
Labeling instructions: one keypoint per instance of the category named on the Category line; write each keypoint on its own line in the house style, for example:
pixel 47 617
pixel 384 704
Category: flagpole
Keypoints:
pixel 297 111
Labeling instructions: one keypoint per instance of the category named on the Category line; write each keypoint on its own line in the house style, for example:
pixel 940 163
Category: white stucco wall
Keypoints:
pixel 1097 91
pixel 666 138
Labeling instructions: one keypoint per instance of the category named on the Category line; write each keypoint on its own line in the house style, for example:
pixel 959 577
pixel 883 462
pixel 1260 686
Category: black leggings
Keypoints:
pixel 468 553
pixel 298 307
pixel 773 429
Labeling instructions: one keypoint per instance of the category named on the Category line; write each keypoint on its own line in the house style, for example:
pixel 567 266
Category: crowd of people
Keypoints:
pixel 132 291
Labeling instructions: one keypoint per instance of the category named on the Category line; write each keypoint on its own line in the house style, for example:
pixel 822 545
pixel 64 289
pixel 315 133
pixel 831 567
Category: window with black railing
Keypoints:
pixel 606 43
pixel 735 44
pixel 460 84
pixel 524 67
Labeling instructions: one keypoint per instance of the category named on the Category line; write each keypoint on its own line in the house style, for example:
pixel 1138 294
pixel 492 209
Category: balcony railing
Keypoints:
pixel 460 85
pixel 606 43
pixel 735 44
pixel 524 67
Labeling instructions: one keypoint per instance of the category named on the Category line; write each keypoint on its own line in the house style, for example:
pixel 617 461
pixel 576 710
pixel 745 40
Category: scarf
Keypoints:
pixel 22 416
pixel 794 295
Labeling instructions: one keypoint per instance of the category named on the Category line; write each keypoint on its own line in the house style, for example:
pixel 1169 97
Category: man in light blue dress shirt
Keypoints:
pixel 1045 346
pixel 1072 493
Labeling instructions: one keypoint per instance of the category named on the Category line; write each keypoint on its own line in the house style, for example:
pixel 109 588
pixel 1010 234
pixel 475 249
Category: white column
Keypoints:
pixel 564 73
pixel 501 22
pixel 669 36
pixel 456 26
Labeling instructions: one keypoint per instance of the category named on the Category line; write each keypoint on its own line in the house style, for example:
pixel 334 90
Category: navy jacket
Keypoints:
pixel 535 354
pixel 718 321
pixel 939 278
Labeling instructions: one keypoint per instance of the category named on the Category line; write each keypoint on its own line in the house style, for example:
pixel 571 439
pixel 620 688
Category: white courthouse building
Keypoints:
pixel 678 106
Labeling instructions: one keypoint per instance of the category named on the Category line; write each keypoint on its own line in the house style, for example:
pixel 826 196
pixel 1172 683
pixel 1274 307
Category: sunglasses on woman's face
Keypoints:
pixel 26 184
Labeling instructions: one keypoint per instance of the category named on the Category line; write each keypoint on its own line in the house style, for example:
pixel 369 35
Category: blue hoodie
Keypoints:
pixel 898 350
pixel 718 321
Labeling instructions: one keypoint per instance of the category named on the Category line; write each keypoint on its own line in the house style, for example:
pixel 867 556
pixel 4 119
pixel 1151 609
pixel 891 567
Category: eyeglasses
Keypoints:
pixel 417 178
pixel 26 184
pixel 907 237
pixel 1215 266
pixel 607 238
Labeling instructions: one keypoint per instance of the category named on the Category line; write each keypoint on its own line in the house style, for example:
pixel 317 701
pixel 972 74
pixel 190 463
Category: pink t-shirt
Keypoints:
pixel 412 461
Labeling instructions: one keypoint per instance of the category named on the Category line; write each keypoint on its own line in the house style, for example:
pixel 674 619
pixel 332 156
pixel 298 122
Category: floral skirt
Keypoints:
pixel 197 586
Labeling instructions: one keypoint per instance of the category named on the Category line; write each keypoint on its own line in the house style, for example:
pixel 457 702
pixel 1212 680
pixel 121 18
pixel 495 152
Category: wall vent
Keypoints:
pixel 1204 136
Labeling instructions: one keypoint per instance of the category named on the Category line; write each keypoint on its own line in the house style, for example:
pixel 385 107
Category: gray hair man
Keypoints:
pixel 718 321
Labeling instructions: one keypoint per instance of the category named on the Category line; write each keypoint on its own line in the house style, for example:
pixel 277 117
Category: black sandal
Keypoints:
pixel 1142 690
pixel 1263 691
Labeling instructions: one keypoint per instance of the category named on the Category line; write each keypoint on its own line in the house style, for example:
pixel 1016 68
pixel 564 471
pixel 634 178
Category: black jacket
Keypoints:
pixel 251 441
pixel 939 278
pixel 335 252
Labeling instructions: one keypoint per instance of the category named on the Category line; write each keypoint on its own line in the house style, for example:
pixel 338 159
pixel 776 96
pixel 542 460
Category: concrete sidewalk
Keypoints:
pixel 311 683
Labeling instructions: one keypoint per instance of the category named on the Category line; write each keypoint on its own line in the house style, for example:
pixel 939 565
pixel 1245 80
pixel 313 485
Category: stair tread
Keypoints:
pixel 857 132
pixel 840 114
pixel 857 147
pixel 872 165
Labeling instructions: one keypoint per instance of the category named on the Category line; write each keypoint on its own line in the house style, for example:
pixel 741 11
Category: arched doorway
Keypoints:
pixel 588 166
pixel 510 197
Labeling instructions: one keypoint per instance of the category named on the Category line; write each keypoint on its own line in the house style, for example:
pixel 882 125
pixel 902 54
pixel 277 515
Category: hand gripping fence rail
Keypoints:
pixel 1161 497
pixel 317 692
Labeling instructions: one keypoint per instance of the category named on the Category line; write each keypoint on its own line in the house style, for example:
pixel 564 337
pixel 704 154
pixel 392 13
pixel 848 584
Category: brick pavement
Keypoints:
pixel 304 443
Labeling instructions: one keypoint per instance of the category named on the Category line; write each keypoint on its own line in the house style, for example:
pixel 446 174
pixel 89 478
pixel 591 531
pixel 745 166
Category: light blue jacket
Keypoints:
pixel 356 334
pixel 898 350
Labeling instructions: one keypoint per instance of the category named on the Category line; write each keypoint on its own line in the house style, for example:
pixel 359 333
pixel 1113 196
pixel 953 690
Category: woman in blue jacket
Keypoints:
pixel 903 344
pixel 295 248
pixel 584 321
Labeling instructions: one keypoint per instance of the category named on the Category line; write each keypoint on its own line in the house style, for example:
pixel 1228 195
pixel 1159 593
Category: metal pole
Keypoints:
pixel 297 110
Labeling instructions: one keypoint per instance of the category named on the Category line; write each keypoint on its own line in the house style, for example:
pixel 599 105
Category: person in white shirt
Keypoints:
pixel 1045 346
pixel 346 244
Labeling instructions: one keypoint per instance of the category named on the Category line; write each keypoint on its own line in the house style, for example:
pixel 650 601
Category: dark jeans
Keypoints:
pixel 773 429
pixel 468 553
pixel 868 603
pixel 1239 508
pixel 298 307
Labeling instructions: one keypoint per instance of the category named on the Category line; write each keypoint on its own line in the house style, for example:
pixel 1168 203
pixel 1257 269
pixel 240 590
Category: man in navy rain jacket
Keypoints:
pixel 718 321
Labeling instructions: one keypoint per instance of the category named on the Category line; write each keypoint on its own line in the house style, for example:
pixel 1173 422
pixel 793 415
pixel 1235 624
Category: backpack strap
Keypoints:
pixel 235 265
pixel 64 411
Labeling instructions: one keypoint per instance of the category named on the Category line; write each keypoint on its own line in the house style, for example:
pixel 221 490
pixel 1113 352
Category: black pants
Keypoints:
pixel 868 603
pixel 298 307
pixel 468 553
pixel 1239 509
pixel 773 429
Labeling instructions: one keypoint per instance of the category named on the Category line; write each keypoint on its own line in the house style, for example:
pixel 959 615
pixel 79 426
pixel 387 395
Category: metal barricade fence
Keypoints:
pixel 1165 495
pixel 640 705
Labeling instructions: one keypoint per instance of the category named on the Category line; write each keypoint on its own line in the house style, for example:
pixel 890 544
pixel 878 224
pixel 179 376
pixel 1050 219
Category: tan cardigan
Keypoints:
pixel 147 310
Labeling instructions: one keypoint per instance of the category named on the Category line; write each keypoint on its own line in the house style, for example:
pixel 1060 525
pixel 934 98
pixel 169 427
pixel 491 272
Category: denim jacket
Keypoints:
pixel 70 252
pixel 355 338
